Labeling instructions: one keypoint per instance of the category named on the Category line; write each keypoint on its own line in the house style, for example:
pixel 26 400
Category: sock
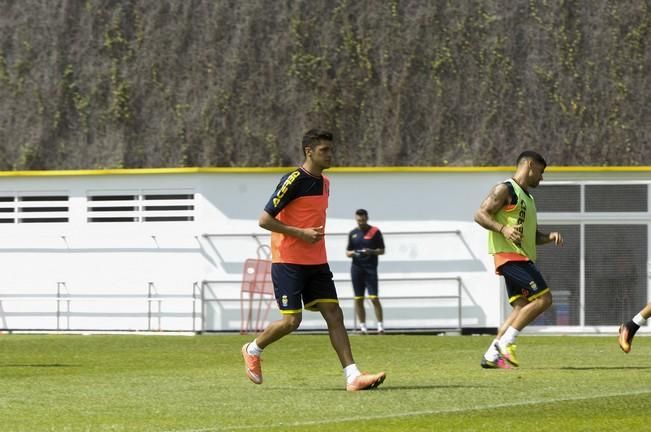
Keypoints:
pixel 632 329
pixel 508 337
pixel 634 325
pixel 253 349
pixel 491 353
pixel 639 320
pixel 362 327
pixel 351 372
pixel 380 327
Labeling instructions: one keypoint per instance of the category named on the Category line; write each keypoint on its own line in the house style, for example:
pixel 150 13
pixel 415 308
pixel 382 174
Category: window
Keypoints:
pixel 142 206
pixel 7 209
pixel 113 208
pixel 615 272
pixel 558 198
pixel 616 198
pixel 42 208
pixel 560 267
pixel 168 207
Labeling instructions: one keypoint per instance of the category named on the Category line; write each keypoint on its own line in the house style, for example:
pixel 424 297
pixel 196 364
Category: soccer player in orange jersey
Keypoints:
pixel 296 216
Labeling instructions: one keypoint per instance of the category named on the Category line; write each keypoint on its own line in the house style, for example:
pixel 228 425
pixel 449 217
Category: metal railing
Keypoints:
pixel 262 240
pixel 458 296
pixel 64 300
pixel 384 299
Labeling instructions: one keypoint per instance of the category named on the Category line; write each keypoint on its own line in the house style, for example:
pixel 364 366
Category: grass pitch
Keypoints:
pixel 434 383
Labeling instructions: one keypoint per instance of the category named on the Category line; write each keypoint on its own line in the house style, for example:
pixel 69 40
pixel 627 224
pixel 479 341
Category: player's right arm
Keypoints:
pixel 310 235
pixel 497 198
pixel 350 249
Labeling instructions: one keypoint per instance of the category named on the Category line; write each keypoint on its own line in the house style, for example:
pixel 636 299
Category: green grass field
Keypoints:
pixel 434 383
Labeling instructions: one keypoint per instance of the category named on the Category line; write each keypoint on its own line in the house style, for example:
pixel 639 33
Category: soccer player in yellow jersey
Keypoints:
pixel 296 216
pixel 628 330
pixel 509 215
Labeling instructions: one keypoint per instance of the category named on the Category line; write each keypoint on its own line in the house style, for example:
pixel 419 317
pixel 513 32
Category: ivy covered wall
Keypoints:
pixel 171 83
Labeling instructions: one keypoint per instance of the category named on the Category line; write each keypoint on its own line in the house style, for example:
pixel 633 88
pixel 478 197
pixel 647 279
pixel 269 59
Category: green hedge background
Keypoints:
pixel 173 83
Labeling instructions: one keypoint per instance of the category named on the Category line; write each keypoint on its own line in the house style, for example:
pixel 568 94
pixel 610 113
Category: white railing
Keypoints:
pixel 138 309
pixel 59 306
pixel 409 279
pixel 388 302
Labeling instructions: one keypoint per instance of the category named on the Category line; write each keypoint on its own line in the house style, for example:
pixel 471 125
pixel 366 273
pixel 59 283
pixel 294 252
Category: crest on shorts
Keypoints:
pixel 284 301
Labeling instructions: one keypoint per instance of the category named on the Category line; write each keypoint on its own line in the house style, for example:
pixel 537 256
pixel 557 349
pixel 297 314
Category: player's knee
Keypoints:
pixel 291 322
pixel 545 301
pixel 519 303
pixel 332 313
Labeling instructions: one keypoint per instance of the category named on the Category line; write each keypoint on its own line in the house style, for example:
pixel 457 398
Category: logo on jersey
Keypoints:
pixel 283 189
pixel 522 215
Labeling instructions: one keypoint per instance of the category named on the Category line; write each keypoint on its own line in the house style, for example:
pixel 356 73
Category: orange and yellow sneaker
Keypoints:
pixel 500 363
pixel 252 365
pixel 625 338
pixel 366 381
pixel 508 354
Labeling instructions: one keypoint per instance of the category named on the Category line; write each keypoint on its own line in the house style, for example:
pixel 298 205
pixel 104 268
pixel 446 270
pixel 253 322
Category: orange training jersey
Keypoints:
pixel 300 200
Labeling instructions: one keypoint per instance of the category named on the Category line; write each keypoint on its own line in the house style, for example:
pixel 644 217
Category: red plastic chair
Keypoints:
pixel 257 293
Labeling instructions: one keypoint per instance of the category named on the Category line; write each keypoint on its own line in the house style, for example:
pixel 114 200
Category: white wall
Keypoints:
pixel 397 202
pixel 107 269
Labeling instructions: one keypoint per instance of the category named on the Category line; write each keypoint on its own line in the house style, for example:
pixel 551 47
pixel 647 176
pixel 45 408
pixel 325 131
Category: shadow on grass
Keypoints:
pixel 587 368
pixel 433 387
pixel 413 387
pixel 51 365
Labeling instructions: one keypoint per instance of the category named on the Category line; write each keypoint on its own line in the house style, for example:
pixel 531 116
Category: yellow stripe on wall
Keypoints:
pixel 254 170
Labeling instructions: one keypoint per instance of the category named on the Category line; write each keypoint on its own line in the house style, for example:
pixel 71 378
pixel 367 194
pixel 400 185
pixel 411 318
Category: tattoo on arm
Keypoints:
pixel 485 215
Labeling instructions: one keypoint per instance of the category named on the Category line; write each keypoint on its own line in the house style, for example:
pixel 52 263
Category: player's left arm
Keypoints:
pixel 380 247
pixel 544 238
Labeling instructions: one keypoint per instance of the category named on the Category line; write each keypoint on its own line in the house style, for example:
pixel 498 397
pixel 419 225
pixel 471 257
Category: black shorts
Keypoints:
pixel 364 280
pixel 297 286
pixel 523 280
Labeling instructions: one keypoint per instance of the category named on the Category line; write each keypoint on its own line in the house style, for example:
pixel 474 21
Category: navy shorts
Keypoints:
pixel 297 286
pixel 523 280
pixel 364 280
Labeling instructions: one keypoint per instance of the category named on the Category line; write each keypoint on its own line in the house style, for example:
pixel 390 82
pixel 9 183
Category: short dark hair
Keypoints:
pixel 535 156
pixel 361 212
pixel 314 137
